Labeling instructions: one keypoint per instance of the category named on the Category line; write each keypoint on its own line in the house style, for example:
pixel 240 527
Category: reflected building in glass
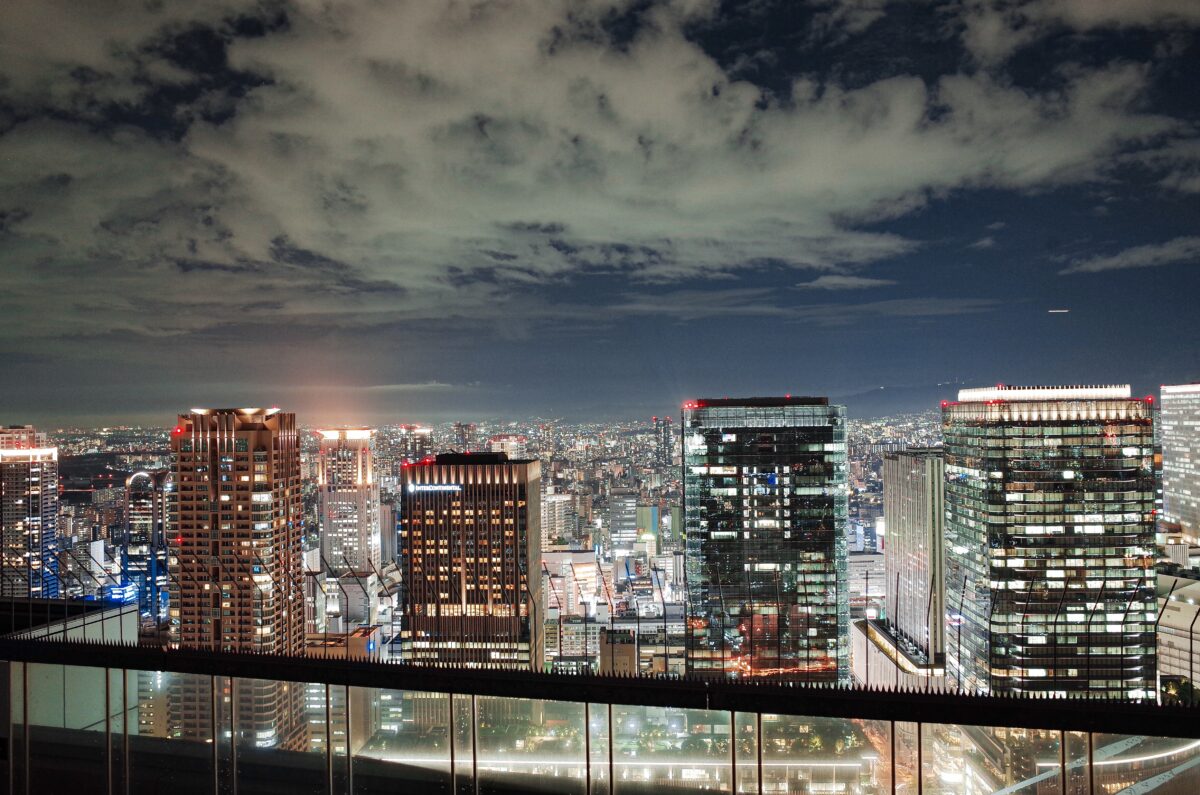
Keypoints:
pixel 765 503
pixel 144 543
pixel 1050 541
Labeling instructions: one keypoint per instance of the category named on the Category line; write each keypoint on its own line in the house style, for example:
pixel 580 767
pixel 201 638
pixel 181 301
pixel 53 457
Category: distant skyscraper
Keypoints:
pixel 914 574
pixel 144 541
pixel 512 445
pixel 1180 425
pixel 664 440
pixel 765 506
pixel 464 436
pixel 1050 541
pixel 348 500
pixel 470 543
pixel 28 513
pixel 414 442
pixel 236 560
pixel 622 519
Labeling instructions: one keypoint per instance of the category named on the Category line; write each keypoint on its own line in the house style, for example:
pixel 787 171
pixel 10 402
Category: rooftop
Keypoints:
pixel 1062 392
pixel 757 402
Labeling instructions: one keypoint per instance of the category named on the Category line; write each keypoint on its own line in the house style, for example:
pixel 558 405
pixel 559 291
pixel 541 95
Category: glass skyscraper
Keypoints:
pixel 1050 541
pixel 1180 426
pixel 765 505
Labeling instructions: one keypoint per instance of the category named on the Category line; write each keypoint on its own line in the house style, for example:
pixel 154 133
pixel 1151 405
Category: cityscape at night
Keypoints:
pixel 600 396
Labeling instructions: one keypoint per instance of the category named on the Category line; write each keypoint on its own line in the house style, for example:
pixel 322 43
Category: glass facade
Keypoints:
pixel 1050 542
pixel 765 505
pixel 1180 425
pixel 84 729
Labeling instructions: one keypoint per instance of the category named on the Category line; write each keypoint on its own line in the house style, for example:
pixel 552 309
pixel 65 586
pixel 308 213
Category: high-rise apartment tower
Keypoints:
pixel 28 513
pixel 236 562
pixel 914 573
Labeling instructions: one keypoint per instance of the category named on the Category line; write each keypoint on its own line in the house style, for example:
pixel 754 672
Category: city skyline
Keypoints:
pixel 565 207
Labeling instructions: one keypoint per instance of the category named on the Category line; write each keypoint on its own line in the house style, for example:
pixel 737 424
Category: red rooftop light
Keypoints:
pixel 178 429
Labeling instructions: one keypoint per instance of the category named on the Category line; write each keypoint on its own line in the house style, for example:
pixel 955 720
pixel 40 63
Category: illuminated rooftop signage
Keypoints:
pixel 419 488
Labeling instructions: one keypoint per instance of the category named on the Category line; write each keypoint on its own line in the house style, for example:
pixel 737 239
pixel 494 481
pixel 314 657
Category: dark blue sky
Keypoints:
pixel 394 211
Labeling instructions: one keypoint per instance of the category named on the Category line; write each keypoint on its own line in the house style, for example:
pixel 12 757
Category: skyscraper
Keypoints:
pixel 664 440
pixel 144 541
pixel 28 513
pixel 236 561
pixel 622 520
pixel 765 506
pixel 914 573
pixel 470 543
pixel 348 500
pixel 1050 541
pixel 1180 426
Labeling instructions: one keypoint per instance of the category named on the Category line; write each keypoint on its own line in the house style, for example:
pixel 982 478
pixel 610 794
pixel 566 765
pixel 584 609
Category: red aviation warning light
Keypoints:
pixel 177 430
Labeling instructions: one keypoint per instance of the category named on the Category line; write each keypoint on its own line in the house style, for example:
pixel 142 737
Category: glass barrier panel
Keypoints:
pixel 170 738
pixel 282 735
pixel 657 748
pixel 528 745
pixel 902 773
pixel 400 741
pixel 747 757
pixel 804 754
pixel 1078 754
pixel 1132 763
pixel 462 744
pixel 598 749
pixel 989 759
pixel 68 715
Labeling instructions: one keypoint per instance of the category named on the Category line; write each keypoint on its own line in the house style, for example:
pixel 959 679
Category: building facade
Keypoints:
pixel 1180 434
pixel 144 542
pixel 765 506
pixel 913 560
pixel 1050 541
pixel 348 500
pixel 28 514
pixel 470 546
pixel 235 557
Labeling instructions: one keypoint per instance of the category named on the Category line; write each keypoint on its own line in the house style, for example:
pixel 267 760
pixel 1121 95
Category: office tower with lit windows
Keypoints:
pixel 236 563
pixel 28 514
pixel 464 437
pixel 622 520
pixel 664 440
pixel 1050 541
pixel 348 500
pixel 470 547
pixel 144 540
pixel 1179 424
pixel 765 504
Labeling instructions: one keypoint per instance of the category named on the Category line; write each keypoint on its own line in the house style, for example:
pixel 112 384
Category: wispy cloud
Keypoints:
pixel 983 243
pixel 1152 255
pixel 835 281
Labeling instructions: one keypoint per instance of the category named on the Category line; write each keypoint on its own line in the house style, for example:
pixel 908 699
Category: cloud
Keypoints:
pixel 257 173
pixel 983 242
pixel 1152 255
pixel 832 281
pixel 763 303
pixel 993 30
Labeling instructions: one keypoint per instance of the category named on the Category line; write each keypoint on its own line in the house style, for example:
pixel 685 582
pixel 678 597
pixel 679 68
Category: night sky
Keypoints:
pixel 373 211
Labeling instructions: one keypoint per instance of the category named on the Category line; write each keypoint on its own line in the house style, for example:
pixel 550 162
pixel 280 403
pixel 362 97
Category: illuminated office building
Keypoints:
pixel 28 513
pixel 348 500
pixel 470 540
pixel 1179 417
pixel 1050 541
pixel 765 506
pixel 236 561
pixel 144 541
pixel 622 521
